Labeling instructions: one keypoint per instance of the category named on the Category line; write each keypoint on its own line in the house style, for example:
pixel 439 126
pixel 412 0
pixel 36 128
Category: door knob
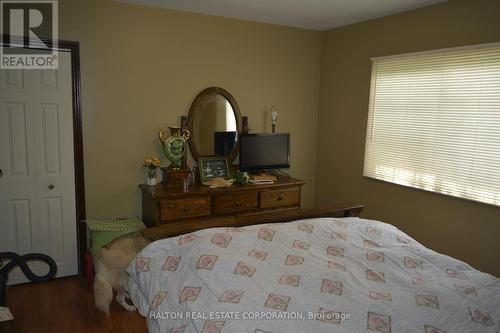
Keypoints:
pixel 51 187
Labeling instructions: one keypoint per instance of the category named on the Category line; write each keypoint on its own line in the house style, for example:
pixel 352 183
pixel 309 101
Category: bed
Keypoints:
pixel 312 274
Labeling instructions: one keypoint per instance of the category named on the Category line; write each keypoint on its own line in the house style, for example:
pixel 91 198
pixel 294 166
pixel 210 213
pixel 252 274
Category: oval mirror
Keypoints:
pixel 214 122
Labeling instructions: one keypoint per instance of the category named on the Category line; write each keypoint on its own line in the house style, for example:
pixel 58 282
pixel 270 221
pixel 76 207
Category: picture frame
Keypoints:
pixel 211 167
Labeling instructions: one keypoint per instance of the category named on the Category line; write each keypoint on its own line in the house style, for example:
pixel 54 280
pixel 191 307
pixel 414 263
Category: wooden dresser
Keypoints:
pixel 170 204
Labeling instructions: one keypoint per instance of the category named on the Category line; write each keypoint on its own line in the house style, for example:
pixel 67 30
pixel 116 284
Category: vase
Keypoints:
pixel 174 146
pixel 151 177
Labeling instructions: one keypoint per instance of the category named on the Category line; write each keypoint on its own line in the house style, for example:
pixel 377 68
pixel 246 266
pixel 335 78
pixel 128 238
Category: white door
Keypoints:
pixel 37 183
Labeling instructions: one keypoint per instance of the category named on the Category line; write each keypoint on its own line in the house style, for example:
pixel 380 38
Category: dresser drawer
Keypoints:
pixel 233 203
pixel 278 198
pixel 183 208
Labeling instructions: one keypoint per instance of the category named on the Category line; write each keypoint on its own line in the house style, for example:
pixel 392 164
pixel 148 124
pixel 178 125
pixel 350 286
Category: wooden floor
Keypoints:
pixel 64 305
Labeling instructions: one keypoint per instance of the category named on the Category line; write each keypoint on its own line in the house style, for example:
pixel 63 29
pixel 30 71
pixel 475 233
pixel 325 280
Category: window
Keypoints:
pixel 434 122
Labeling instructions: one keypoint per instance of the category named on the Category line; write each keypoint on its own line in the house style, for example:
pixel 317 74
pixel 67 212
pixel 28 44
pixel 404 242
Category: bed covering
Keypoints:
pixel 315 275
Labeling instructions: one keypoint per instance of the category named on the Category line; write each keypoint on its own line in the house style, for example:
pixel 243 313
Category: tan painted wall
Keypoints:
pixel 466 230
pixel 142 67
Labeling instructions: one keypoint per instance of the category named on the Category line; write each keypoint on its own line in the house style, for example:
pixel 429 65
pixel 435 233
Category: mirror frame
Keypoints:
pixel 192 112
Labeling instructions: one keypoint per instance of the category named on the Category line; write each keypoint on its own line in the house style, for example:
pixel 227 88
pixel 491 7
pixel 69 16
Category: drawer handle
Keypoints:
pixel 280 198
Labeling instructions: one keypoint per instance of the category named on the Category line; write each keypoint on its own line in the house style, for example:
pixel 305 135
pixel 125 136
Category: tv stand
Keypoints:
pixel 162 204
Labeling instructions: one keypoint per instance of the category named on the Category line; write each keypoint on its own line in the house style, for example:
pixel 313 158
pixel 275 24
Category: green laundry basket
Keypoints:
pixel 105 230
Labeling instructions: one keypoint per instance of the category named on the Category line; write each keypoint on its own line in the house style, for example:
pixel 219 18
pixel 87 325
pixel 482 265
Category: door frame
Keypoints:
pixel 74 48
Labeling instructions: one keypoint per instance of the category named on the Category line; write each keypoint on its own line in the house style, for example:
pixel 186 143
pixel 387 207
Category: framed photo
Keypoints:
pixel 212 167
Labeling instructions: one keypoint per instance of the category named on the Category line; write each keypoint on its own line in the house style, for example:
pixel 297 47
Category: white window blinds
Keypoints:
pixel 434 122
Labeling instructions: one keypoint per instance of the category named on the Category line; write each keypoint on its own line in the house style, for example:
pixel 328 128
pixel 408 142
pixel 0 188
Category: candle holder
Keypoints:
pixel 274 118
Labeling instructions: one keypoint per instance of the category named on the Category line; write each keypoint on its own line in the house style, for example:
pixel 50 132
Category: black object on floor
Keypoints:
pixel 21 261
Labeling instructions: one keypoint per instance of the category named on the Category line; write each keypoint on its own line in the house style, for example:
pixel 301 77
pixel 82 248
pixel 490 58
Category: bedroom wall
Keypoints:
pixel 142 67
pixel 465 230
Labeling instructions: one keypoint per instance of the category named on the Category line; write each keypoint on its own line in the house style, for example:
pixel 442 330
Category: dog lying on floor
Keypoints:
pixel 111 264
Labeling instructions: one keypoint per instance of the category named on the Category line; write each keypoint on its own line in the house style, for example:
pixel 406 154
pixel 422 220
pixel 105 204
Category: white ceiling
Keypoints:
pixel 308 14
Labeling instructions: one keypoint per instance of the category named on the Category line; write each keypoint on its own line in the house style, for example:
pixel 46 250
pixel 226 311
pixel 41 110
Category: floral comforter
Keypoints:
pixel 317 275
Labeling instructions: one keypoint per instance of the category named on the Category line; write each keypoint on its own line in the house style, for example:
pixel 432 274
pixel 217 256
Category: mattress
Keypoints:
pixel 314 275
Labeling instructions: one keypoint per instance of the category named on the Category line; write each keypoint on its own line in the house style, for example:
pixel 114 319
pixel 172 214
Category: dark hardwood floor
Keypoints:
pixel 64 305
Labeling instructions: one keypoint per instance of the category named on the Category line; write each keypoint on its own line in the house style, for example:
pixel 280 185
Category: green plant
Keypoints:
pixel 240 177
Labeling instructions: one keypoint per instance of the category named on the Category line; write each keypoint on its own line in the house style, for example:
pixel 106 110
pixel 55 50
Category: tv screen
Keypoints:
pixel 264 151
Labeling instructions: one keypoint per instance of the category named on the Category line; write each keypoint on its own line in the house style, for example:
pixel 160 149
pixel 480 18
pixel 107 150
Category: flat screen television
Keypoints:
pixel 264 151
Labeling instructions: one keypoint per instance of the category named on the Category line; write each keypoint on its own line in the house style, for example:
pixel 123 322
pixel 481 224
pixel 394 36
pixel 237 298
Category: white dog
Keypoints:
pixel 111 264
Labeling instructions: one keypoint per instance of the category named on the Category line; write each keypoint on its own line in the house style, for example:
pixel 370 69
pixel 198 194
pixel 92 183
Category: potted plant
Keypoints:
pixel 240 177
pixel 151 163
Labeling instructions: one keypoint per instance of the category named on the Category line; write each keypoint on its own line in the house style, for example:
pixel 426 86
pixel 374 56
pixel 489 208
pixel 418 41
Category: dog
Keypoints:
pixel 111 264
